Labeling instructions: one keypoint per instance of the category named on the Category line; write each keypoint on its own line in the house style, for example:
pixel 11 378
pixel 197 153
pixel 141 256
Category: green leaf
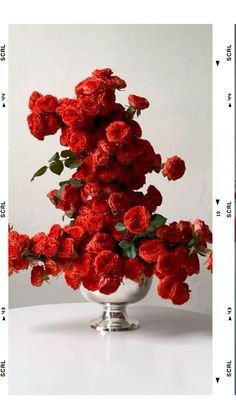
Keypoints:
pixel 120 227
pixel 75 164
pixel 131 252
pixel 60 191
pixel 158 220
pixel 138 112
pixel 191 242
pixel 71 181
pixel 69 161
pixel 40 172
pixel 124 244
pixel 56 167
pixel 55 157
pixel 75 182
pixel 68 153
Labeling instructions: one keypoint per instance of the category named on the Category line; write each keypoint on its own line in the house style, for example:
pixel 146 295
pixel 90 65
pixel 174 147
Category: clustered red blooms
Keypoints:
pixel 103 200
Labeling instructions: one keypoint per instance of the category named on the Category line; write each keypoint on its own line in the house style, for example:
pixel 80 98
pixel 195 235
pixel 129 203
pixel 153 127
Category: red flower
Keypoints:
pixel 47 103
pixel 103 72
pixel 100 157
pixel 78 141
pixel 38 243
pixel 107 262
pixel 138 102
pixel 88 106
pixel 169 234
pixel 50 247
pixel 133 268
pixel 168 263
pixel 37 276
pixel 164 287
pixel 151 249
pixel 109 284
pixel 72 279
pixel 137 220
pixel 99 242
pixel 17 244
pixel 91 282
pixel 117 83
pixel 118 201
pixel 202 230
pixel 83 264
pixel 152 199
pixel 33 99
pixel 56 232
pixel 192 265
pixel 118 132
pixel 180 293
pixel 75 232
pixel 174 168
pixel 51 267
pixel 66 249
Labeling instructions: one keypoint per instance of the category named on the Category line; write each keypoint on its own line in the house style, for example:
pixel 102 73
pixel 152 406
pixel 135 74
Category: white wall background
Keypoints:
pixel 168 64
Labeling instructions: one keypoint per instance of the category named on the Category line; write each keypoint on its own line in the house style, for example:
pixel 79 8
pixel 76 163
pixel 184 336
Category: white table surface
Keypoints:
pixel 52 350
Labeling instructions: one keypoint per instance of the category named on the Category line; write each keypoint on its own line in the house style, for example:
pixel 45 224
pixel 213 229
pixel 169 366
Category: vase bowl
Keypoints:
pixel 114 317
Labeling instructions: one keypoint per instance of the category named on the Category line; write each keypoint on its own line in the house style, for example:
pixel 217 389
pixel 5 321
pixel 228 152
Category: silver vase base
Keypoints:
pixel 114 319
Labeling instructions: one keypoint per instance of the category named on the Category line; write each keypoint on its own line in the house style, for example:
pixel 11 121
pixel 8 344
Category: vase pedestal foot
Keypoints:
pixel 114 319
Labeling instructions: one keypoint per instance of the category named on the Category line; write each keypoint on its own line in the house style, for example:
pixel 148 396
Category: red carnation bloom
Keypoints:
pixel 169 234
pixel 66 249
pixel 83 264
pixel 107 262
pixel 75 232
pixel 133 268
pixel 180 293
pixel 56 232
pixel 50 247
pixel 51 267
pixel 118 132
pixel 117 83
pixel 164 287
pixel 38 243
pixel 88 106
pixel 192 265
pixel 107 147
pixel 109 284
pixel 100 157
pixel 174 168
pixel 37 276
pixel 47 103
pixel 103 72
pixel 91 282
pixel 138 102
pixel 137 220
pixel 151 249
pixel 33 99
pixel 118 201
pixel 202 230
pixel 152 199
pixel 168 263
pixel 72 279
pixel 99 242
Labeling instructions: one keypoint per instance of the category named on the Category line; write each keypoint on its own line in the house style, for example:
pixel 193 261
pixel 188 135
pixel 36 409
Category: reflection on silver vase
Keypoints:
pixel 114 317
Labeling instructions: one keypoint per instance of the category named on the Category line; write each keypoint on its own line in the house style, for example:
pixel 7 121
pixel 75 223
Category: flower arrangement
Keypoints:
pixel 113 231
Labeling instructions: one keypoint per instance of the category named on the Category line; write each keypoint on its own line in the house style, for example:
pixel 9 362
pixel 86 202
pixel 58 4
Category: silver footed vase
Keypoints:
pixel 114 317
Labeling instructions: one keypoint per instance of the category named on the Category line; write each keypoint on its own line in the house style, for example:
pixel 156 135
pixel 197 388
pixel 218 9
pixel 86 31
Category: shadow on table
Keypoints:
pixel 155 322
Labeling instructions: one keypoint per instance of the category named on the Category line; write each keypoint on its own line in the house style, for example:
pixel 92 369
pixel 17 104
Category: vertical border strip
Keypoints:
pixel 4 207
pixel 223 225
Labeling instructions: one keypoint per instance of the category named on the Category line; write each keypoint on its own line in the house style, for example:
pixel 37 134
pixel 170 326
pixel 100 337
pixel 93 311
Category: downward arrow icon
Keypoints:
pixel 217 379
pixel 217 63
